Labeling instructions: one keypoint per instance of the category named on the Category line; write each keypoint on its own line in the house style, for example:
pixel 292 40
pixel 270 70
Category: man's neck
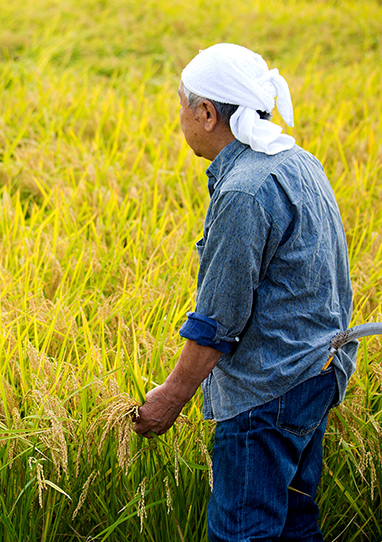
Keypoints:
pixel 218 142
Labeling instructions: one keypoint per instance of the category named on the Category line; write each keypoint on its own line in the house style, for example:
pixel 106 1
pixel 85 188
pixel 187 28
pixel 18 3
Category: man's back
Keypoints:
pixel 274 231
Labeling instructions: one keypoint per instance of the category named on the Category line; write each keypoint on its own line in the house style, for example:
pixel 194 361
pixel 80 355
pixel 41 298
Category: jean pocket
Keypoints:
pixel 303 408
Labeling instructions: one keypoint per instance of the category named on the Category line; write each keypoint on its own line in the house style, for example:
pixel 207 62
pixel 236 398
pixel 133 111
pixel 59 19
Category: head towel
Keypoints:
pixel 233 74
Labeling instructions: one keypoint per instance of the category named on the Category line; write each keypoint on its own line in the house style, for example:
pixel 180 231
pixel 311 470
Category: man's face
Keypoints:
pixel 191 123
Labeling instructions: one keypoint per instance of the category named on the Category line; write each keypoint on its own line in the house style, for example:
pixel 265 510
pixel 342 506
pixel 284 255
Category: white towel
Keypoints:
pixel 233 74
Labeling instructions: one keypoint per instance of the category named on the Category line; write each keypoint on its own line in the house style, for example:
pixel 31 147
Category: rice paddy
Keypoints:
pixel 101 203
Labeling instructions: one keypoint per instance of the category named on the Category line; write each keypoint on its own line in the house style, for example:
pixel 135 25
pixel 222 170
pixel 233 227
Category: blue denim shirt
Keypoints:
pixel 273 285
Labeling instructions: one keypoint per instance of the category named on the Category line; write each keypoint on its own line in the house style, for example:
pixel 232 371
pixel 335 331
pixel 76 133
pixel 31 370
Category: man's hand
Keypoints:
pixel 163 404
pixel 159 412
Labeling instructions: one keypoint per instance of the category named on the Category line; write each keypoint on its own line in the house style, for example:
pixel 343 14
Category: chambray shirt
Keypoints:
pixel 273 285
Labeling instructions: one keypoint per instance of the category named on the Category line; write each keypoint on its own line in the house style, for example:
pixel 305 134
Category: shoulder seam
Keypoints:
pixel 255 198
pixel 270 172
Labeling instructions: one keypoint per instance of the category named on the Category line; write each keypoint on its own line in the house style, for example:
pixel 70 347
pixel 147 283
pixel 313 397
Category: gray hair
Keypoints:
pixel 224 110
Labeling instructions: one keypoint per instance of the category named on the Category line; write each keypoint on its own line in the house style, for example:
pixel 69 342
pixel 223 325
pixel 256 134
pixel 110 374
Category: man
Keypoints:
pixel 273 289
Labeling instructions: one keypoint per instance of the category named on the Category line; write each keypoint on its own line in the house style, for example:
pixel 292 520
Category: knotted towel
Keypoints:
pixel 233 74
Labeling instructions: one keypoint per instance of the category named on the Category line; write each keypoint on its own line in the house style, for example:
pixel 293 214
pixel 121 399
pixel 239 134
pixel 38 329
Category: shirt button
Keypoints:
pixel 237 339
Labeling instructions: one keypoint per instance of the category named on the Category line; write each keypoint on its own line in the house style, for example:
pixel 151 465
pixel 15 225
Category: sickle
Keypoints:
pixel 356 332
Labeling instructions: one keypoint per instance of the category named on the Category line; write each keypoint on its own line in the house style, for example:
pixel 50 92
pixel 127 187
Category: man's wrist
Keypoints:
pixel 179 390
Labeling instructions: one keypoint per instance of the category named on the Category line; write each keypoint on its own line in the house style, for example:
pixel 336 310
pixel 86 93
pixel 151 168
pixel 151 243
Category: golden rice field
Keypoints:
pixel 101 203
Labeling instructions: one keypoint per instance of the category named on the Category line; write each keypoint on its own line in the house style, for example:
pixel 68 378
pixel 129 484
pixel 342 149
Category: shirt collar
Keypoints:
pixel 222 164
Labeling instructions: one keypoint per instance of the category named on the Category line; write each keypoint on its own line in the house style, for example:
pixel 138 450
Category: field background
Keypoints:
pixel 101 203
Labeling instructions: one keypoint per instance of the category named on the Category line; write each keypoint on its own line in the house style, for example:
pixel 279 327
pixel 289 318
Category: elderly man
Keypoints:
pixel 273 289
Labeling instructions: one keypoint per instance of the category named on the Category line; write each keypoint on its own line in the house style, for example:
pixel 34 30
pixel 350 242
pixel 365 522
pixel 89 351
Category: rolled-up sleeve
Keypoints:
pixel 203 330
pixel 233 255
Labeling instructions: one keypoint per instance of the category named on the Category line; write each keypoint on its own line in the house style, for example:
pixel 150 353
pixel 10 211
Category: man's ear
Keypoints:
pixel 210 115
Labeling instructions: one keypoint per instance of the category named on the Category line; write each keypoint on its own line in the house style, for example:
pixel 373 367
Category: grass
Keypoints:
pixel 101 203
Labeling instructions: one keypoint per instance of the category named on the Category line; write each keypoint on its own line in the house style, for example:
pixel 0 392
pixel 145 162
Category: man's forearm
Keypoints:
pixel 194 365
pixel 163 404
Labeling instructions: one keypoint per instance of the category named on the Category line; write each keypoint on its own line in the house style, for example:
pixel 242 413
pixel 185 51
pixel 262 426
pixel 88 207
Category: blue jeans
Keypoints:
pixel 267 464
